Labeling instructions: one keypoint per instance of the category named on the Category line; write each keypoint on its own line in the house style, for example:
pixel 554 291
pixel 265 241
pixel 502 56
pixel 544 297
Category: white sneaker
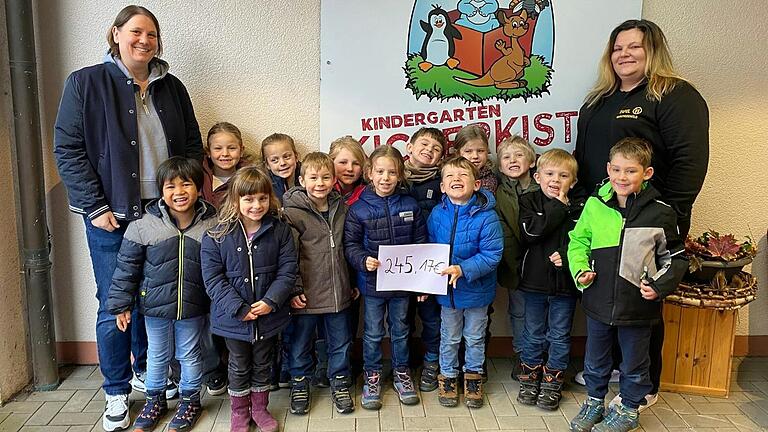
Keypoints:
pixel 116 413
pixel 137 383
pixel 579 378
pixel 650 400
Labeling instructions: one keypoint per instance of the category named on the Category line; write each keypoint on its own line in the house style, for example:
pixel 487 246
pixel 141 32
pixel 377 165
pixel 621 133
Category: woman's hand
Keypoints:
pixel 556 259
pixel 123 319
pixel 106 221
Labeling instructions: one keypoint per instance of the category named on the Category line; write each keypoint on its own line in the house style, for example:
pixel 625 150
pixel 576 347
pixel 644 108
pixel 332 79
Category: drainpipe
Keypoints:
pixel 30 188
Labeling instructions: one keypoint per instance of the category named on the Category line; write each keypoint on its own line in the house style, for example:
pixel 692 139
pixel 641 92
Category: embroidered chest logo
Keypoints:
pixel 629 113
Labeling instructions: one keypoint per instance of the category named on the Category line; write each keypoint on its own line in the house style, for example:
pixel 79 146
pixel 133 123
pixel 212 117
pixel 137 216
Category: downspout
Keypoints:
pixel 30 180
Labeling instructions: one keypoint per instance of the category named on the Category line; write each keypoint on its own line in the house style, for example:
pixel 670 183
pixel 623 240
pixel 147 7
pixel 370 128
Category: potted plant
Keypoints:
pixel 713 252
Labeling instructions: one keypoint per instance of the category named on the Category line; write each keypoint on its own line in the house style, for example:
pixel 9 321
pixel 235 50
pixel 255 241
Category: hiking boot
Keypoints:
pixel 342 399
pixel 591 413
pixel 404 387
pixel 448 395
pixel 259 413
pixel 550 391
pixel 529 378
pixel 429 372
pixel 116 413
pixel 240 419
pixel 300 399
pixel 371 397
pixel 620 419
pixel 154 408
pixel 473 389
pixel 187 412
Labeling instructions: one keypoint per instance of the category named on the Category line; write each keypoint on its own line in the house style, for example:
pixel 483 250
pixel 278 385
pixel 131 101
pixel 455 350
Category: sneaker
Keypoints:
pixel 153 410
pixel 550 391
pixel 448 394
pixel 320 378
pixel 579 378
pixel 619 419
pixel 404 387
pixel 530 380
pixel 649 401
pixel 342 399
pixel 116 413
pixel 187 412
pixel 371 397
pixel 137 383
pixel 473 389
pixel 591 412
pixel 300 400
pixel 428 380
pixel 216 386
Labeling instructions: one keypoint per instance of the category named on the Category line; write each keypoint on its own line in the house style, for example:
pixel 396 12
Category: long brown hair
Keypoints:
pixel 246 181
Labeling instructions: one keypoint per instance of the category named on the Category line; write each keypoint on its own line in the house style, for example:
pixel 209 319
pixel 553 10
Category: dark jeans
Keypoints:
pixel 338 342
pixel 598 361
pixel 396 310
pixel 114 347
pixel 249 365
pixel 214 352
pixel 429 314
pixel 548 319
pixel 656 345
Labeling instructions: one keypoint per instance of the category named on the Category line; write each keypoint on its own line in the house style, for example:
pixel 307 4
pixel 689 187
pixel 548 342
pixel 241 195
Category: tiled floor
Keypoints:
pixel 77 406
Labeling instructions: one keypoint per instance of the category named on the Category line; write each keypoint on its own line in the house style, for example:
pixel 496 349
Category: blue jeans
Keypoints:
pixel 338 342
pixel 516 310
pixel 396 309
pixel 548 319
pixel 457 323
pixel 166 336
pixel 598 361
pixel 114 347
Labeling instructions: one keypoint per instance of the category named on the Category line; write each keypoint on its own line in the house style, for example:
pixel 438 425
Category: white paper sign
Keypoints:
pixel 414 267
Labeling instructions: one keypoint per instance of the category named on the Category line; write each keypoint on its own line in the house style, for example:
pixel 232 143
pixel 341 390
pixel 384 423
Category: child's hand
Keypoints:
pixel 250 316
pixel 562 196
pixel 647 292
pixel 260 308
pixel 421 298
pixel 123 319
pixel 454 271
pixel 556 259
pixel 355 293
pixel 299 301
pixel 372 263
pixel 587 277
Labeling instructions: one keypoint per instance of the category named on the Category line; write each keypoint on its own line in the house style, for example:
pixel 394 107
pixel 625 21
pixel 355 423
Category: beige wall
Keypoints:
pixel 256 64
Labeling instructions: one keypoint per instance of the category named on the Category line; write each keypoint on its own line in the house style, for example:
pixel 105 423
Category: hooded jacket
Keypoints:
pixel 474 233
pixel 623 251
pixel 162 262
pixel 279 185
pixel 508 208
pixel 96 137
pixel 215 195
pixel 323 277
pixel 239 272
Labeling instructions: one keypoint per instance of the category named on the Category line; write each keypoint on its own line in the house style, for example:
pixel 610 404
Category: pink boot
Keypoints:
pixel 241 416
pixel 262 417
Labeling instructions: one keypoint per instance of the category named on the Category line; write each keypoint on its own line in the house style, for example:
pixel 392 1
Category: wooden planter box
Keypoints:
pixel 698 348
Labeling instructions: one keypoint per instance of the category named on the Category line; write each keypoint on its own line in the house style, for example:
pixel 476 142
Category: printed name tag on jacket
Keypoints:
pixel 406 215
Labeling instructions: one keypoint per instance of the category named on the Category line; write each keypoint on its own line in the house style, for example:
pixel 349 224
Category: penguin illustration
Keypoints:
pixel 439 46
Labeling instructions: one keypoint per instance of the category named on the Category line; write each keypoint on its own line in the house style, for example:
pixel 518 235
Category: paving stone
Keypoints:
pixel 743 422
pixel 44 428
pixel 79 401
pixel 716 408
pixel 296 423
pixel 424 423
pixel 45 414
pixel 367 424
pixel 461 424
pixel 754 412
pixel 84 418
pixel 80 383
pixel 81 371
pixel 522 423
pixel 557 424
pixel 460 410
pixel 501 405
pixel 14 422
pixel 51 396
pixel 669 418
pixel 697 421
pixel 390 418
pixel 322 425
pixel 734 396
pixel 569 410
pixel 26 407
pixel 79 429
pixel 412 410
pixel 533 410
pixel 650 423
pixel 484 418
pixel 677 403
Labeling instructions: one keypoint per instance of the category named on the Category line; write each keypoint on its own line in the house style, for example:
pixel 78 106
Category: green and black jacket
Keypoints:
pixel 639 242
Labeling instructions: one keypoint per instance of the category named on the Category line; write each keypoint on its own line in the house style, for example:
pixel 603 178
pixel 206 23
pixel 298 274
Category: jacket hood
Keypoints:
pixel 482 200
pixel 370 195
pixel 297 197
pixel 157 68
pixel 635 203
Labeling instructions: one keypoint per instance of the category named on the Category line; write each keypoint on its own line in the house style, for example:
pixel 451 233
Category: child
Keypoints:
pixel 625 255
pixel 383 204
pixel 546 217
pixel 472 143
pixel 278 151
pixel 159 258
pixel 224 154
pixel 313 211
pixel 249 267
pixel 516 158
pixel 349 159
pixel 425 150
pixel 465 219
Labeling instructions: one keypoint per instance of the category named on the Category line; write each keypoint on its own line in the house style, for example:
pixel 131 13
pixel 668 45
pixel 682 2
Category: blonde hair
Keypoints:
pixel 519 143
pixel 246 181
pixel 317 161
pixel 558 158
pixel 389 152
pixel 633 148
pixel 276 138
pixel 467 134
pixel 659 70
pixel 349 144
pixel 462 163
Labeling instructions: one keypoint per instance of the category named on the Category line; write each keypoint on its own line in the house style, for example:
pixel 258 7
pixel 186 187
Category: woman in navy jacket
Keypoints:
pixel 117 122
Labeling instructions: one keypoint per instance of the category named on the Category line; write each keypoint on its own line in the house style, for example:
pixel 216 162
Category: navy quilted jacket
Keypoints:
pixel 373 221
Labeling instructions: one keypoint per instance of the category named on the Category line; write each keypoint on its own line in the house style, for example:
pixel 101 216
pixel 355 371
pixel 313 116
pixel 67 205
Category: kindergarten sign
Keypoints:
pixel 512 67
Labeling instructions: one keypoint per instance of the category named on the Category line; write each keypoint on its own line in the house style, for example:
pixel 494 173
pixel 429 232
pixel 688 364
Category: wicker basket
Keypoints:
pixel 717 295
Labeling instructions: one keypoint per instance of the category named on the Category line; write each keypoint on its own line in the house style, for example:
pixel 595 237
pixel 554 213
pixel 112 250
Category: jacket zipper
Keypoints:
pixel 618 265
pixel 450 253
pixel 333 245
pixel 253 286
pixel 143 96
pixel 389 221
pixel 180 286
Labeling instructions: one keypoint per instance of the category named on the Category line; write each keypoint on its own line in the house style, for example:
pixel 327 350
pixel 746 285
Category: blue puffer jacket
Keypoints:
pixel 474 233
pixel 373 221
pixel 238 273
